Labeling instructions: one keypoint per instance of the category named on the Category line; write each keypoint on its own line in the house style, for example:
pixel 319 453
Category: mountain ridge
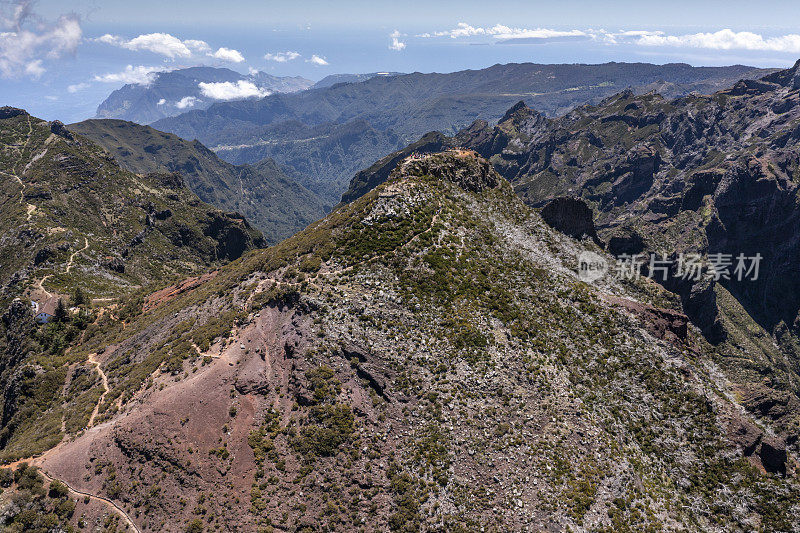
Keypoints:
pixel 269 199
pixel 171 92
pixel 410 399
pixel 704 175
pixel 399 109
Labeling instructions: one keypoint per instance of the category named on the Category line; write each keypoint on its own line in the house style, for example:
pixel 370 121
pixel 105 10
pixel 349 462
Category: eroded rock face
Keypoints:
pixel 11 112
pixel 662 323
pixel 58 128
pixel 570 216
pixel 462 167
pixel 773 456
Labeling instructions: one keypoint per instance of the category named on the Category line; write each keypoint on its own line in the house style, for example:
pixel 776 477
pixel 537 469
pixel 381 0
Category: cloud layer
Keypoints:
pixel 26 41
pixel 232 91
pixel 171 47
pixel 282 57
pixel 139 75
pixel 725 39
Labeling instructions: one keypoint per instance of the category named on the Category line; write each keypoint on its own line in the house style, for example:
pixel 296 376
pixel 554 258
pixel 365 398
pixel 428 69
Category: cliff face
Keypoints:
pixel 716 176
pixel 424 357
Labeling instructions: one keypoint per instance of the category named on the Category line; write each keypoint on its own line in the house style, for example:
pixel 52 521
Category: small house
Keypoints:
pixel 46 310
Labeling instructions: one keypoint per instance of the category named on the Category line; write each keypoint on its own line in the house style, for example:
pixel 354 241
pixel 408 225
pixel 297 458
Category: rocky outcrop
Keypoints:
pixel 770 452
pixel 233 234
pixel 773 456
pixel 57 128
pixel 570 216
pixel 465 168
pixel 11 112
pixel 664 324
pixel 367 179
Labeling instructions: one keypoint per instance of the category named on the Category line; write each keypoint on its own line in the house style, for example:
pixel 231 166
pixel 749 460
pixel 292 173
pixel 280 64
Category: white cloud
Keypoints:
pixel 186 102
pixel 159 43
pixel 114 40
pixel 726 39
pixel 26 41
pixel 502 32
pixel 34 69
pixel 282 57
pixel 162 102
pixel 77 87
pixel 317 60
pixel 197 46
pixel 231 91
pixel 397 44
pixel 228 54
pixel 171 47
pixel 139 75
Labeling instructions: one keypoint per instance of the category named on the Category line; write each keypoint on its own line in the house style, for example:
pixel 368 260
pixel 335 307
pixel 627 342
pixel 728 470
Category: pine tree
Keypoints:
pixel 79 298
pixel 60 314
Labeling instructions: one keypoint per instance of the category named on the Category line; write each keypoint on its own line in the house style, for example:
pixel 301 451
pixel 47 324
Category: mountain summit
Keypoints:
pixel 713 176
pixel 425 356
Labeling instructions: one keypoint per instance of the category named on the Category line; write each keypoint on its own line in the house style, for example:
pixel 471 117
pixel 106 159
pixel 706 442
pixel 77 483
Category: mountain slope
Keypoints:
pixel 171 93
pixel 422 359
pixel 80 237
pixel 401 108
pixel 73 217
pixel 269 199
pixel 704 175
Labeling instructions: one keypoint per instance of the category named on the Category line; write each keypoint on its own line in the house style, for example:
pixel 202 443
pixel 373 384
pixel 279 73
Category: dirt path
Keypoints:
pixel 29 208
pixel 40 286
pixel 36 461
pixel 105 501
pixel 76 252
pixel 104 379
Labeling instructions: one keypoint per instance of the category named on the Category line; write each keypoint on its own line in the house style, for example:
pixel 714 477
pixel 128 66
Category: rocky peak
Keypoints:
pixel 57 127
pixel 463 167
pixel 787 78
pixel 11 112
pixel 517 109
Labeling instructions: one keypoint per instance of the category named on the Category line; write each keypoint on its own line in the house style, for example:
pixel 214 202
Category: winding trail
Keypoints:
pixel 104 380
pixel 76 252
pixel 40 285
pixel 105 501
pixel 36 461
pixel 30 208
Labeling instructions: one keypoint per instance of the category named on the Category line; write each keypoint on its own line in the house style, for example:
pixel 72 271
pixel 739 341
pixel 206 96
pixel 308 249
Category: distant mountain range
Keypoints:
pixel 271 201
pixel 327 134
pixel 333 79
pixel 177 91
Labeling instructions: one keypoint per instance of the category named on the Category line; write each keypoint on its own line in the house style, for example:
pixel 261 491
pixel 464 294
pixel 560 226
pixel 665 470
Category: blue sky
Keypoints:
pixel 59 59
